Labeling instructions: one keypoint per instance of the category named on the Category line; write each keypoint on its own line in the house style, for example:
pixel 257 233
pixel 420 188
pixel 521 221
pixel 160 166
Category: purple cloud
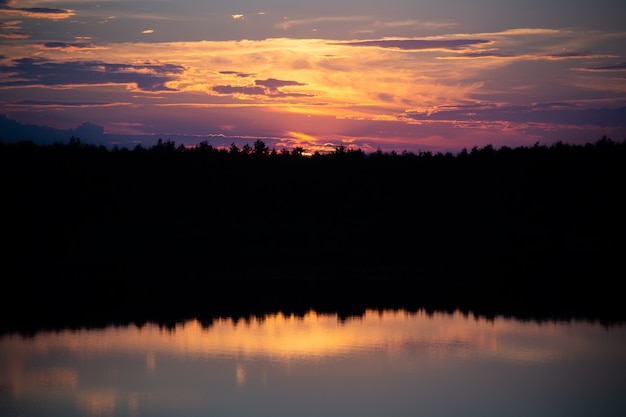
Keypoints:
pixel 550 113
pixel 44 12
pixel 492 54
pixel 44 103
pixel 484 55
pixel 231 89
pixel 29 71
pixel 238 74
pixel 571 55
pixel 64 45
pixel 385 97
pixel 418 44
pixel 615 67
pixel 270 88
pixel 274 84
pixel 11 30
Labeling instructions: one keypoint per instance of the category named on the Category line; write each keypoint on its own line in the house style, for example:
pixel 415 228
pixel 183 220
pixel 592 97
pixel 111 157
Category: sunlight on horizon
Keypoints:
pixel 393 82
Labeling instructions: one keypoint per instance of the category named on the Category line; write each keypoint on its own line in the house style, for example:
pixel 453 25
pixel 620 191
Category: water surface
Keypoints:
pixel 390 363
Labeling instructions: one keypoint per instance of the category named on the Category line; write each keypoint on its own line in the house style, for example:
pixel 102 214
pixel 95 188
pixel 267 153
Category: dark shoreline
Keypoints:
pixel 71 304
pixel 163 234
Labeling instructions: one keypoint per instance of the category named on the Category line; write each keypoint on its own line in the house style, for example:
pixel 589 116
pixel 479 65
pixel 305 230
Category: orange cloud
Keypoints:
pixel 6 7
pixel 370 91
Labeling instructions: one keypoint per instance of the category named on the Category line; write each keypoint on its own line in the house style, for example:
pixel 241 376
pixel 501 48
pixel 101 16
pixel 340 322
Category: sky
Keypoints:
pixel 402 75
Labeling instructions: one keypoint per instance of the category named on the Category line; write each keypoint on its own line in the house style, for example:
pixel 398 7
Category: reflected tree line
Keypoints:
pixel 170 229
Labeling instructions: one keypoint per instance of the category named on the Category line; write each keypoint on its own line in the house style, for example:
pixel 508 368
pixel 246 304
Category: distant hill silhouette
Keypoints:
pixel 169 231
pixel 12 131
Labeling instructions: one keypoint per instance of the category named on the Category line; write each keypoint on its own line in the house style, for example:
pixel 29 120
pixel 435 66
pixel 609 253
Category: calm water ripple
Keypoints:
pixel 390 363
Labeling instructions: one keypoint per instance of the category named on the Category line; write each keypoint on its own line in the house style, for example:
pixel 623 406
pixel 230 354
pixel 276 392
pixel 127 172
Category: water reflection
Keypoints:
pixel 286 365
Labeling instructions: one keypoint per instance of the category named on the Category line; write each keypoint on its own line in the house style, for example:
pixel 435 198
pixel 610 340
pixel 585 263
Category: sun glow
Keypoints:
pixel 322 88
pixel 289 337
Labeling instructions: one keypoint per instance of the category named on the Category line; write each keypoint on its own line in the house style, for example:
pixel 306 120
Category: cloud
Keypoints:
pixel 70 46
pixel 549 113
pixel 35 12
pixel 65 45
pixel 11 30
pixel 385 97
pixel 67 104
pixel 269 88
pixel 289 23
pixel 483 54
pixel 238 74
pixel 526 31
pixel 89 130
pixel 38 72
pixel 608 68
pixel 147 31
pixel 301 137
pixel 235 90
pixel 418 44
pixel 531 56
pixel 14 35
pixel 571 55
pixel 238 17
pixel 355 92
pixel 274 84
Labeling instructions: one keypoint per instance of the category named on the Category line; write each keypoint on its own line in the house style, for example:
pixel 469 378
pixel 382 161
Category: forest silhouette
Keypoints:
pixel 97 234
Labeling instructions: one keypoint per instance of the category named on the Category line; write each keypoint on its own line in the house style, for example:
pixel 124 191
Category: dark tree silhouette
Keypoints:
pixel 260 148
pixel 496 230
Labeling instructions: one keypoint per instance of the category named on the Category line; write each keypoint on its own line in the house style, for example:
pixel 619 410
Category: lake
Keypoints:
pixel 382 363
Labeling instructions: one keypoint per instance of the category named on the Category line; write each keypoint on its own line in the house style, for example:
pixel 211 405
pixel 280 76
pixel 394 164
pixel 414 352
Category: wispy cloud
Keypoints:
pixel 396 90
pixel 420 44
pixel 67 104
pixel 289 23
pixel 38 72
pixel 12 30
pixel 621 66
pixel 71 46
pixel 270 87
pixel 238 74
pixel 561 113
pixel 6 6
pixel 526 56
pixel 273 84
pixel 239 90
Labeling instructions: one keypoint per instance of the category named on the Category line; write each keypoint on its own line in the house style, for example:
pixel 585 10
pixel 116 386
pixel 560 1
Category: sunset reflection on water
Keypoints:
pixel 288 337
pixel 117 370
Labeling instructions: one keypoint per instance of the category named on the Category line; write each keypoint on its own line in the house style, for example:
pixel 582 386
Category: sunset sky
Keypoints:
pixel 412 75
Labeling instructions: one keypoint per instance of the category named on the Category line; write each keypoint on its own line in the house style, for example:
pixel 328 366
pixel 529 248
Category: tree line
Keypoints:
pixel 499 225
